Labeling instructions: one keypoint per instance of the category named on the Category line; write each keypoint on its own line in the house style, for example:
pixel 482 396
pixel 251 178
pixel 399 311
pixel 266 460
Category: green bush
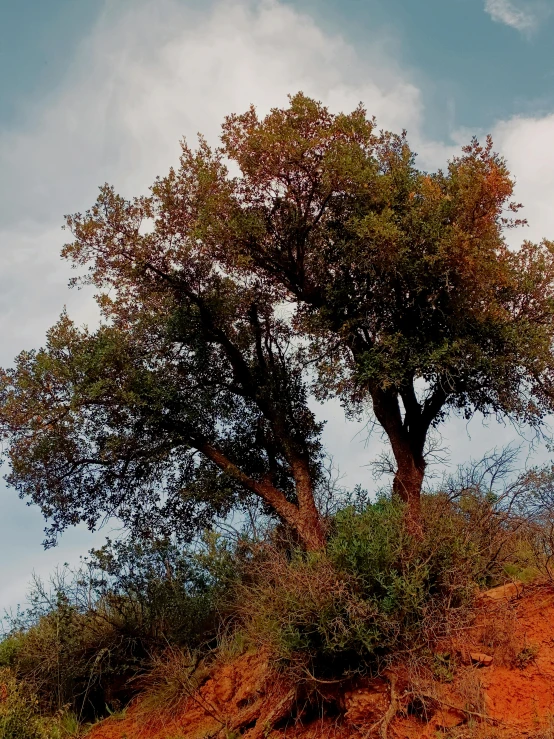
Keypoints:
pixel 20 716
pixel 377 589
pixel 401 573
pixel 307 612
pixel 157 593
pixel 71 658
pixel 82 643
pixel 10 648
pixel 18 719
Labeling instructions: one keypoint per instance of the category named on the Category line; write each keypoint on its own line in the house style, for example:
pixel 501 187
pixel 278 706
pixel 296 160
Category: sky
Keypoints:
pixel 103 90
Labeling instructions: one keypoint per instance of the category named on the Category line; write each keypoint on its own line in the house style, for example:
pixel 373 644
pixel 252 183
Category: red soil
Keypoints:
pixel 512 697
pixel 524 696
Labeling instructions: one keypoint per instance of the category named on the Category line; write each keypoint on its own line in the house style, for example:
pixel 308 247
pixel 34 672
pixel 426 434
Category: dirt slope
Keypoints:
pixel 470 695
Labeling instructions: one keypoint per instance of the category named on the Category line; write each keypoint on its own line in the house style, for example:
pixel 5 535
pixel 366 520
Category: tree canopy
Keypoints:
pixel 329 264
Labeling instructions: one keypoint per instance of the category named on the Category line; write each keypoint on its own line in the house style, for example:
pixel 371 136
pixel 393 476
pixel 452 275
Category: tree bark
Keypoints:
pixel 304 518
pixel 407 485
pixel 310 525
pixel 310 531
pixel 407 438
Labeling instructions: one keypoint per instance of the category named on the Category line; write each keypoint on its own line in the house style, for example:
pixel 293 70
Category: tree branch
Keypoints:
pixel 270 494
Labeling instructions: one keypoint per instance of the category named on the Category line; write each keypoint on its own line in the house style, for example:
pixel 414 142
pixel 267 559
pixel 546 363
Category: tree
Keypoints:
pixel 402 281
pixel 329 249
pixel 188 397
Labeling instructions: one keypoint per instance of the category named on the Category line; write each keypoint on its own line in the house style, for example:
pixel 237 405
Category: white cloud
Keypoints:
pixel 526 143
pixel 148 74
pixel 507 12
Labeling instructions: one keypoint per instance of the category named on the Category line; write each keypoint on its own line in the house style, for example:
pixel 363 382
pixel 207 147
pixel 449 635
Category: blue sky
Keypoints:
pixel 94 91
pixel 472 68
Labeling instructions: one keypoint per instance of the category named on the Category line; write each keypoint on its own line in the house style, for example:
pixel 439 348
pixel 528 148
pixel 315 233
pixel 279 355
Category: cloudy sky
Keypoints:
pixel 94 91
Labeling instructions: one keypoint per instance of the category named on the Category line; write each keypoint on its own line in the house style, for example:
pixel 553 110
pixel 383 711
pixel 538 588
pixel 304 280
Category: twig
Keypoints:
pixel 476 714
pixel 392 710
pixel 323 682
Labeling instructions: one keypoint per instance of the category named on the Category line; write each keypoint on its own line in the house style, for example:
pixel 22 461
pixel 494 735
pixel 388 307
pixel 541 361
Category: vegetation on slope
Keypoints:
pixel 329 266
pixel 155 617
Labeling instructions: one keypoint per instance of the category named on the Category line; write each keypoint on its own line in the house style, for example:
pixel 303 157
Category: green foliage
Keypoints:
pixel 402 280
pixel 192 396
pixel 119 416
pixel 443 667
pixel 402 574
pixel 378 589
pixel 525 656
pixel 307 612
pixel 150 616
pixel 464 542
pixel 82 644
pixel 159 593
pixel 10 648
pixel 20 717
pixel 407 267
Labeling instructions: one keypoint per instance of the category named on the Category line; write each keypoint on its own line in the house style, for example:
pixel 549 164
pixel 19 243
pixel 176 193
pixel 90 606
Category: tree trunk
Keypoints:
pixel 407 439
pixel 310 526
pixel 303 517
pixel 407 485
pixel 310 530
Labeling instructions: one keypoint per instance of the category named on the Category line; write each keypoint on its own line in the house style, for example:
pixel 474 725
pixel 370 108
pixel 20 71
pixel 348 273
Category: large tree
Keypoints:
pixel 413 303
pixel 329 259
pixel 188 397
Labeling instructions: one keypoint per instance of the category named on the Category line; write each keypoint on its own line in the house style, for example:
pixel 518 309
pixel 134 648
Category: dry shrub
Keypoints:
pixel 68 658
pixel 537 506
pixel 470 689
pixel 173 678
pixel 18 715
pixel 308 614
pixel 21 718
pixel 489 504
pixel 498 634
pixel 421 694
pixel 86 637
pixel 376 591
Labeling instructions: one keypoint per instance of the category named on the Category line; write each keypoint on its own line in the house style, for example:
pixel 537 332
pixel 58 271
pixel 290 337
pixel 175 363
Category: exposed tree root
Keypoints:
pixel 384 722
pixel 268 721
pixel 247 717
pixel 255 722
pixel 474 714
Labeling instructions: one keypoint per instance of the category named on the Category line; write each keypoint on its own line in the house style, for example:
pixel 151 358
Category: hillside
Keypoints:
pixel 469 694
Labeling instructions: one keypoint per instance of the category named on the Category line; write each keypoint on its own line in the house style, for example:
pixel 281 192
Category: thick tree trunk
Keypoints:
pixel 310 525
pixel 407 438
pixel 407 485
pixel 310 531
